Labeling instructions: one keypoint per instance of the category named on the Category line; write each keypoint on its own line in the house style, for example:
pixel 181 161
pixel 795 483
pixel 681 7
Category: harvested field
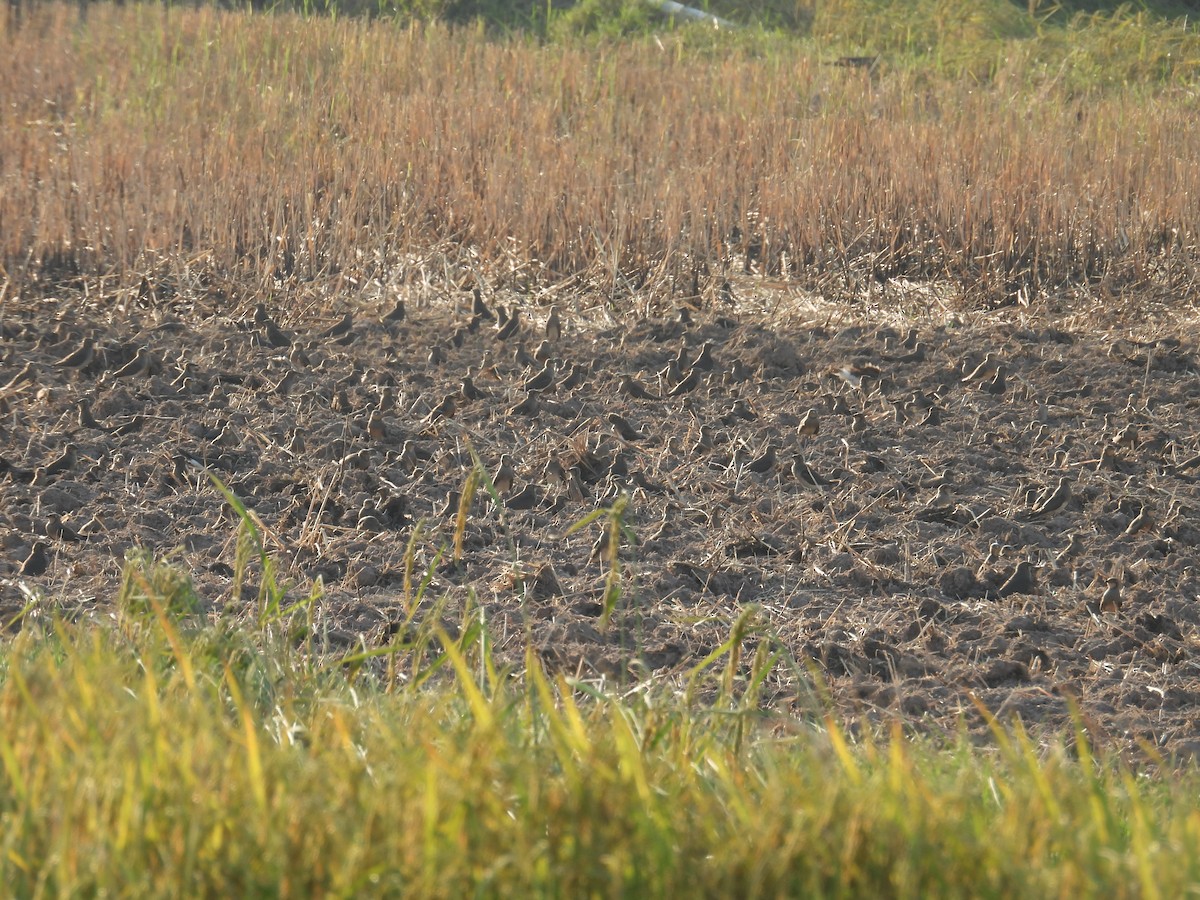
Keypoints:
pixel 890 575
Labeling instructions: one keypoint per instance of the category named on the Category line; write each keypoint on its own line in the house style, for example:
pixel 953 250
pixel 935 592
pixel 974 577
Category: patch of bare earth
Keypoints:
pixel 875 489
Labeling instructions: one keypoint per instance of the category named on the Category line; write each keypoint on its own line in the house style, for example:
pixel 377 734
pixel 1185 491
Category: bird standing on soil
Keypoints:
pixel 624 428
pixel 338 329
pixel 505 476
pixel 1110 600
pixel 444 410
pixel 553 326
pixel 509 328
pixel 36 562
pixel 1021 581
pixel 810 424
pixel 984 369
pixel 478 307
pixel 1057 499
pixel 802 471
pixel 631 387
pixel 397 314
pixel 79 358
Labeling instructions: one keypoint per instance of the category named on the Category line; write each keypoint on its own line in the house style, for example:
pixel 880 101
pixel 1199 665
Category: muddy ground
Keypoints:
pixel 847 472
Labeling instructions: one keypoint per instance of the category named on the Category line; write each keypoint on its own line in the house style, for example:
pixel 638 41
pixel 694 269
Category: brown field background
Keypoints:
pixel 147 140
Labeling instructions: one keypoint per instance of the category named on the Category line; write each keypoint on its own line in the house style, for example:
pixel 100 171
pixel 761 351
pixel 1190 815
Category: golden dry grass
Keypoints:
pixel 147 139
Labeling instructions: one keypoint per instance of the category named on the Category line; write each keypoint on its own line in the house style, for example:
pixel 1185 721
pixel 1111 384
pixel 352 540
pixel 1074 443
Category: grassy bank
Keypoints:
pixel 198 146
pixel 166 753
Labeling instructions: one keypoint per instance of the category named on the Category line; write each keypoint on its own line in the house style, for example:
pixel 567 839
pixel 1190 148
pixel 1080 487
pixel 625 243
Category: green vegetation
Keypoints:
pixel 166 753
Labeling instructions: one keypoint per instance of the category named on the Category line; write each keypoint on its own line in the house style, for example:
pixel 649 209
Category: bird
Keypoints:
pixel 527 407
pixel 542 380
pixel 79 358
pixel 526 498
pixel 993 557
pixel 688 383
pixel 505 476
pixel 555 471
pixel 543 352
pixel 298 358
pixel 376 430
pixel 56 466
pixel 276 336
pixel 553 326
pixel 1142 521
pixel 469 390
pixel 810 424
pixel 1074 545
pixel 444 410
pixel 338 329
pixel 576 377
pixel 408 456
pixel 704 440
pixel 36 562
pixel 261 316
pixel 996 385
pixel 86 419
pixel 631 387
pixel 509 328
pixel 1021 581
pixel 764 463
pixel 1056 500
pixel 704 359
pixel 59 530
pixel 437 355
pixel 802 471
pixel 397 314
pixel 139 365
pixel 1110 600
pixel 478 307
pixel 983 369
pixel 624 428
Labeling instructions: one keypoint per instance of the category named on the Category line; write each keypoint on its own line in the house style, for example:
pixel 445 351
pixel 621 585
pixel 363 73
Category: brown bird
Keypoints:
pixel 505 476
pixel 1056 500
pixel 704 440
pixel 631 387
pixel 276 336
pixel 1021 581
pixel 397 314
pixel 444 410
pixel 553 326
pixel 556 472
pixel 1141 522
pixel 982 370
pixel 704 359
pixel 338 329
pixel 81 357
pixel 376 430
pixel 689 383
pixel 139 365
pixel 764 463
pixel 298 358
pixel 56 466
pixel 526 498
pixel 261 316
pixel 36 562
pixel 810 424
pixel 576 377
pixel 58 530
pixel 624 428
pixel 86 419
pixel 437 355
pixel 529 406
pixel 997 383
pixel 543 352
pixel 468 389
pixel 478 307
pixel 542 380
pixel 1110 600
pixel 509 328
pixel 802 471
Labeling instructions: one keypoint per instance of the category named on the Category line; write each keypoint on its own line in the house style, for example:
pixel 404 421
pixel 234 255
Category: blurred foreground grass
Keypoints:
pixel 166 753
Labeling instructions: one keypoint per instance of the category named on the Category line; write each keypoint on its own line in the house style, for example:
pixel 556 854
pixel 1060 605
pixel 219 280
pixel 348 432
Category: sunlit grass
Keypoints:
pixel 166 753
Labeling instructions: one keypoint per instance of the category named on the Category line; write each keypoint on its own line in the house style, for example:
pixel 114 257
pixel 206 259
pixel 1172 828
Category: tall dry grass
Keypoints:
pixel 264 147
